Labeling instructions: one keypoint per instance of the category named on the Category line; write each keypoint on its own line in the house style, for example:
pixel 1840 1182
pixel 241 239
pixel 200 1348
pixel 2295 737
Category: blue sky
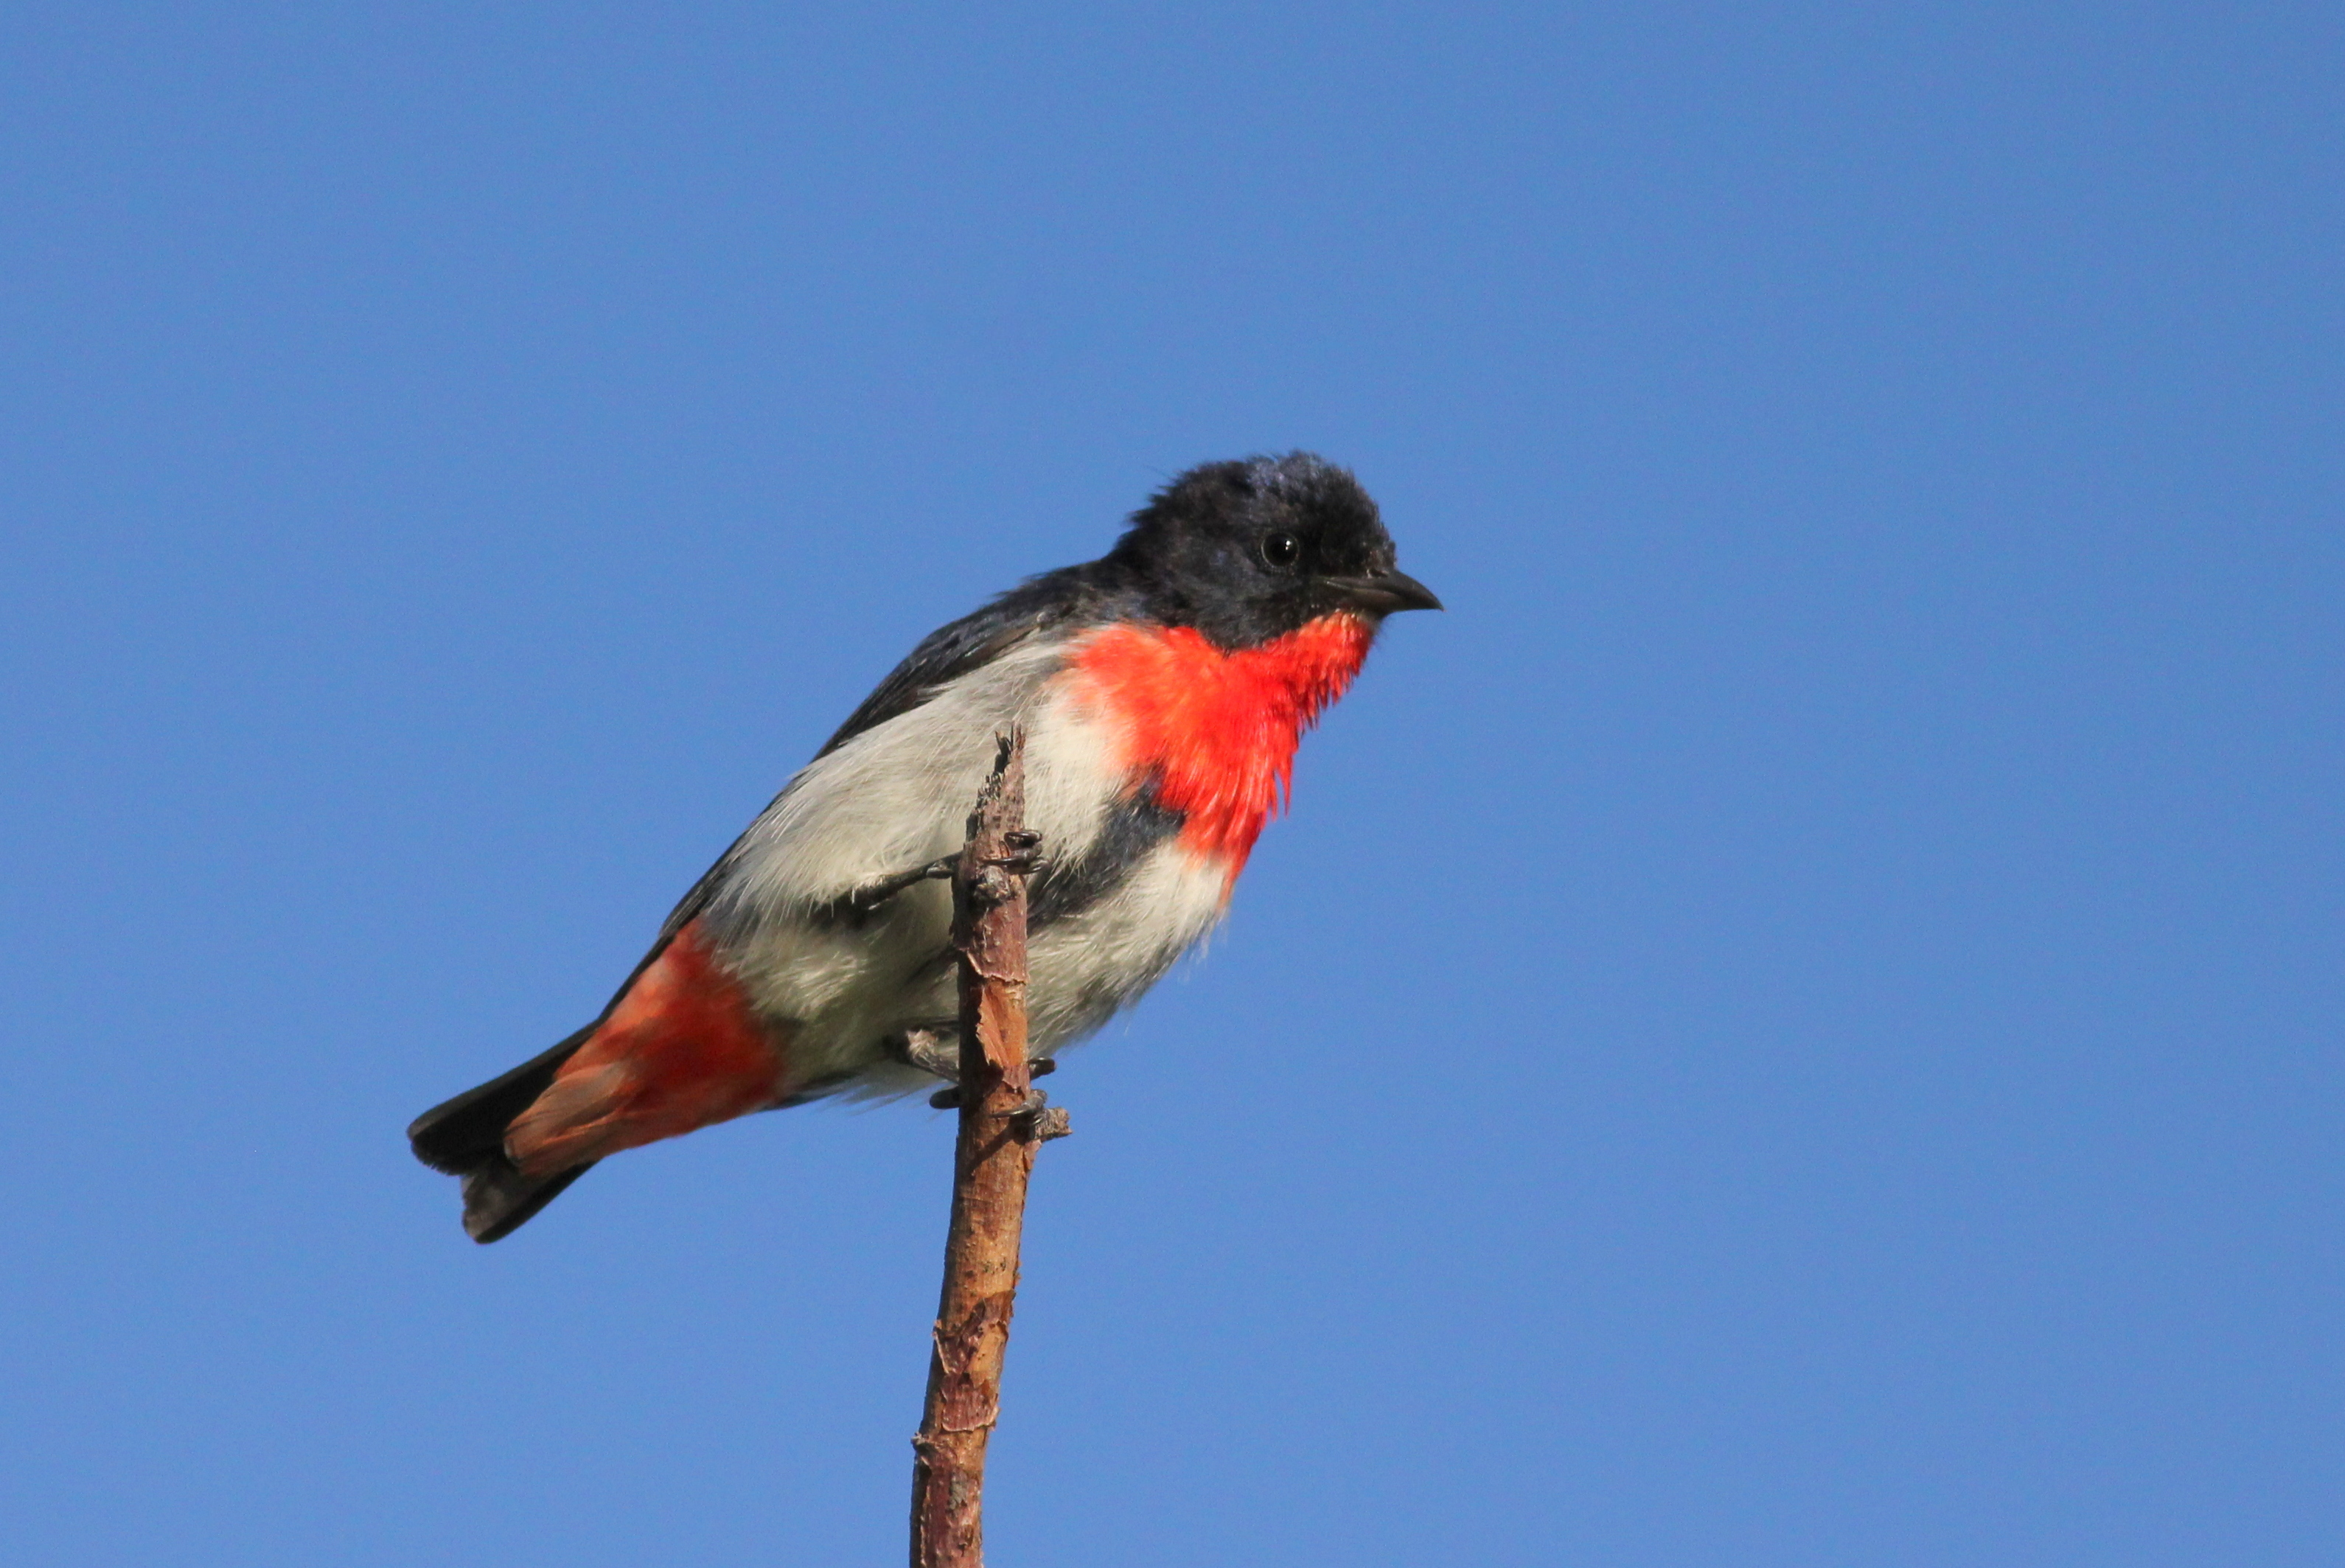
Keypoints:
pixel 1796 1025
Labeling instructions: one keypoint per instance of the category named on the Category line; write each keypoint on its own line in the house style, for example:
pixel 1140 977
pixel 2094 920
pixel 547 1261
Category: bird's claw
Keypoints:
pixel 1038 1121
pixel 923 1052
pixel 1022 859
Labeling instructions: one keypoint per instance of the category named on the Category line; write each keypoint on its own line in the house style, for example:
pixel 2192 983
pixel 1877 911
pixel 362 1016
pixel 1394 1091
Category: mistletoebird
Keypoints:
pixel 1163 690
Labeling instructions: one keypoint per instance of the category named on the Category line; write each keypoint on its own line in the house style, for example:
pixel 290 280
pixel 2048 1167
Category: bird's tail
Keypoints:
pixel 465 1138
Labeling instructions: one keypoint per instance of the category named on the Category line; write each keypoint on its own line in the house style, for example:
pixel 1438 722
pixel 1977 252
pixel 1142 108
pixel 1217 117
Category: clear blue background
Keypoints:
pixel 1797 1024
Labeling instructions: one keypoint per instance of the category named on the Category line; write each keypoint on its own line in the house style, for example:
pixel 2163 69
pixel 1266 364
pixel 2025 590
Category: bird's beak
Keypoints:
pixel 1384 593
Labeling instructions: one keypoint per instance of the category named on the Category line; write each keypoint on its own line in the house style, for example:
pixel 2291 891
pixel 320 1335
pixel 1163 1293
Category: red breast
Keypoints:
pixel 1216 730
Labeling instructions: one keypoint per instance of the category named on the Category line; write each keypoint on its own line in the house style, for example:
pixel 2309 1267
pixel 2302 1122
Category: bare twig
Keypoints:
pixel 1003 1119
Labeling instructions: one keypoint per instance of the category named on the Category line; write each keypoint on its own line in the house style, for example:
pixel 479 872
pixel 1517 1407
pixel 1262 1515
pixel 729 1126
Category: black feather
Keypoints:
pixel 972 642
pixel 1132 829
pixel 465 1136
pixel 499 1199
pixel 1186 560
pixel 456 1135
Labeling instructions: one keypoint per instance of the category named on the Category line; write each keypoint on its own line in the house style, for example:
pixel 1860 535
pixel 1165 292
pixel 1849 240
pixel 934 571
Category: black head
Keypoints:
pixel 1250 550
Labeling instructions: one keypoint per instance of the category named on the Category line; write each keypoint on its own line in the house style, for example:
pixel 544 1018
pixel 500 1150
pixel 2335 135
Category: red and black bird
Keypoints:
pixel 1162 688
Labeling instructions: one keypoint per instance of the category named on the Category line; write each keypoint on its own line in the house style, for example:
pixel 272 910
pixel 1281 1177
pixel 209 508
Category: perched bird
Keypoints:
pixel 1163 690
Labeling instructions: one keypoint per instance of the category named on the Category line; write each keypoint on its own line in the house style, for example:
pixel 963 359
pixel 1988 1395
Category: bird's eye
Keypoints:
pixel 1281 549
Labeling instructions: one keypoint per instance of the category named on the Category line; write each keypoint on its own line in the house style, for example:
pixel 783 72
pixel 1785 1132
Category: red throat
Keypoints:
pixel 1216 731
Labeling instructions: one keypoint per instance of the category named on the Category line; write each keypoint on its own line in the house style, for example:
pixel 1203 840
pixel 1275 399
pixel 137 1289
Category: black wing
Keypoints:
pixel 974 640
pixel 950 651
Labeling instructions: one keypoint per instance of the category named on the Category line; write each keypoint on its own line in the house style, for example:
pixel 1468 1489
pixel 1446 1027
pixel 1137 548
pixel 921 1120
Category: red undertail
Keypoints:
pixel 681 1050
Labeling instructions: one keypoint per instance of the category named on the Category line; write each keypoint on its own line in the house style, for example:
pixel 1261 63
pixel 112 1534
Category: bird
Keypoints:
pixel 1163 690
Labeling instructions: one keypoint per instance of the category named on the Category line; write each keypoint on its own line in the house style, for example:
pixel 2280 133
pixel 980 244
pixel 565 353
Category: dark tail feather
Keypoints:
pixel 500 1200
pixel 465 1136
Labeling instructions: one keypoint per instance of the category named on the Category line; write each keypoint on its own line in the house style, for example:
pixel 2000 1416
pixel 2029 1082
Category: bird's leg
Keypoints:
pixel 871 895
pixel 1021 861
pixel 927 1050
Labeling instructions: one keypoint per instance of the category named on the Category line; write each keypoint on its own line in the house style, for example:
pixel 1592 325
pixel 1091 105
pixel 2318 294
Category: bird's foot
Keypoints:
pixel 999 877
pixel 924 1049
pixel 1021 860
pixel 1038 1121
